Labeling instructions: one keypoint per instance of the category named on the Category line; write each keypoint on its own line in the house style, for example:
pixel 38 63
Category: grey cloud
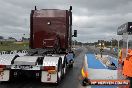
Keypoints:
pixel 94 19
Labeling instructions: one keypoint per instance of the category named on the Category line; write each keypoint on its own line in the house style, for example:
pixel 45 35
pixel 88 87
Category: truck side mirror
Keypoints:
pixel 75 33
pixel 70 7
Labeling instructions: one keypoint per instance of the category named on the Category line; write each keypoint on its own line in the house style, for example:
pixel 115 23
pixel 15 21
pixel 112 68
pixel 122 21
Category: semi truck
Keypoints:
pixel 50 53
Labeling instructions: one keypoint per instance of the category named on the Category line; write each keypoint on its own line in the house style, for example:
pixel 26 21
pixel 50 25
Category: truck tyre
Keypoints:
pixel 1 82
pixel 59 72
pixel 64 67
pixel 71 66
pixel 73 54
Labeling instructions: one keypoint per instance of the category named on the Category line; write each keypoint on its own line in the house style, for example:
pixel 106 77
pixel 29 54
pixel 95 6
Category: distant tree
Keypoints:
pixel 1 37
pixel 114 42
pixel 11 38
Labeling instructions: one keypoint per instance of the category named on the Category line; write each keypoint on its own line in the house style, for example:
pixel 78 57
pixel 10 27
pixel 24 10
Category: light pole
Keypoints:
pixel 111 44
pixel 74 43
pixel 101 44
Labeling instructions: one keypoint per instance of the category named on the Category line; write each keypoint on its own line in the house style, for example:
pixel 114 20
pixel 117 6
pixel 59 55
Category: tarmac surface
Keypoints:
pixel 71 80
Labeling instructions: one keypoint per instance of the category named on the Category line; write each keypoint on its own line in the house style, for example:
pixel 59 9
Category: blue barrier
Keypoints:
pixel 94 63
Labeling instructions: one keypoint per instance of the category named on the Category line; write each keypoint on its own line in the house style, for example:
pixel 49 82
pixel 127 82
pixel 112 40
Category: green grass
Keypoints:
pixel 10 46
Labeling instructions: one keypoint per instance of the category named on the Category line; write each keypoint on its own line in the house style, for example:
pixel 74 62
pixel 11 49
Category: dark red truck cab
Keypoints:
pixel 51 28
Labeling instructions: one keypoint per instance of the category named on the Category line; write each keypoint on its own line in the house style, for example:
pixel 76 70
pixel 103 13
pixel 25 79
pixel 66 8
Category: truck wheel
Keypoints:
pixel 1 82
pixel 11 75
pixel 71 66
pixel 64 71
pixel 64 67
pixel 58 77
pixel 59 73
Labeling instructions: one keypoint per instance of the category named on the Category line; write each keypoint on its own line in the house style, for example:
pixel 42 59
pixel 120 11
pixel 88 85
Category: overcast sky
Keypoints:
pixel 94 19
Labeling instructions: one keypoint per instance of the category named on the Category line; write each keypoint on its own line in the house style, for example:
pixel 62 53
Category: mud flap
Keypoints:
pixel 4 75
pixel 48 78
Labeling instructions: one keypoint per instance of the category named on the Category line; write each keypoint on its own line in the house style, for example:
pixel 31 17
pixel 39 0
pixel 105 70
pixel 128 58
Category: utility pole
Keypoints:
pixel 118 47
pixel 111 45
pixel 101 47
pixel 74 43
